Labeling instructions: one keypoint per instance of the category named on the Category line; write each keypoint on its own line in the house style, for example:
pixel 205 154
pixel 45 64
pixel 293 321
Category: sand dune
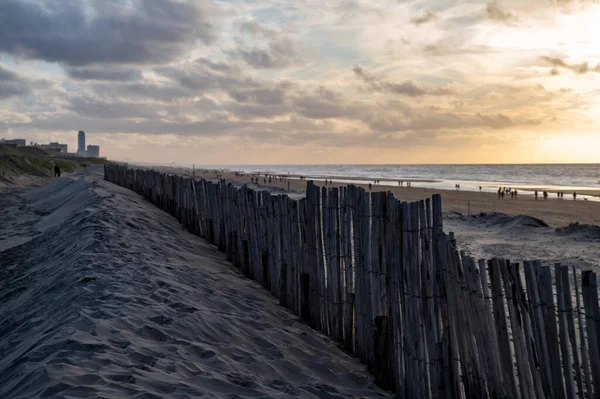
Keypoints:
pixel 520 238
pixel 103 295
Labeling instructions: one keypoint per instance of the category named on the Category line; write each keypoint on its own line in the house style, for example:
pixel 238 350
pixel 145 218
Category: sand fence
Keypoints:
pixel 381 277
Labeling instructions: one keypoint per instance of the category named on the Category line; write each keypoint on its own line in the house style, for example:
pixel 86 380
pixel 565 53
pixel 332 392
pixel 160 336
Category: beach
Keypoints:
pixel 555 212
pixel 139 306
pixel 104 295
pixel 553 230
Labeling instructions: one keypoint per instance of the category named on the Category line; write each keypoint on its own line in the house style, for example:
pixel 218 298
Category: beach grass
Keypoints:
pixel 30 161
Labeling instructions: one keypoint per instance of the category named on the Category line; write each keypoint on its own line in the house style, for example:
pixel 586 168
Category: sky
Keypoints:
pixel 305 82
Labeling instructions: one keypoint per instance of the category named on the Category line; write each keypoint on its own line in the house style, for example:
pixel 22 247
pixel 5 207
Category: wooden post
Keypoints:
pixel 305 298
pixel 582 339
pixel 502 329
pixel 562 274
pixel 380 343
pixel 283 285
pixel 589 289
pixel 547 299
pixel 349 322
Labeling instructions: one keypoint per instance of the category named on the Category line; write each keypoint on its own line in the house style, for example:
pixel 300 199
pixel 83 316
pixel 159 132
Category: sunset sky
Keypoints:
pixel 311 81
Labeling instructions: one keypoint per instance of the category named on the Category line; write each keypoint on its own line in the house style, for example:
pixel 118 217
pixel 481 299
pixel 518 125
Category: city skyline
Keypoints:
pixel 272 82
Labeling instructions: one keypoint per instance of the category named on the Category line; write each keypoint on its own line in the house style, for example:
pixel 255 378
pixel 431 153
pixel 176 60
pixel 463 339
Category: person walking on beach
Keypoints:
pixel 56 171
pixel 536 195
pixel 574 196
pixel 516 193
pixel 545 195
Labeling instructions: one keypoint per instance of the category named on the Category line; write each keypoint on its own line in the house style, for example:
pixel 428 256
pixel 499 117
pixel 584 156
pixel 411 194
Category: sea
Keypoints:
pixel 526 178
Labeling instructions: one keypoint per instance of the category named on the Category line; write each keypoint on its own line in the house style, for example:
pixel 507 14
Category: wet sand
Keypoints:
pixel 554 212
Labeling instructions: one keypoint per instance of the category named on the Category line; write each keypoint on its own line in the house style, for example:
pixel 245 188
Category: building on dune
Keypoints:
pixel 14 142
pixel 93 151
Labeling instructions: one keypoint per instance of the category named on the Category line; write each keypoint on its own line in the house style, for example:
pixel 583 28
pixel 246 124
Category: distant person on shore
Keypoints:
pixel 479 188
pixel 499 192
pixel 545 195
pixel 536 195
pixel 574 196
pixel 56 171
pixel 369 186
pixel 516 193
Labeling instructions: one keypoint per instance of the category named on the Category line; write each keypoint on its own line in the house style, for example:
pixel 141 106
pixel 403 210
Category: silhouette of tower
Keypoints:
pixel 81 143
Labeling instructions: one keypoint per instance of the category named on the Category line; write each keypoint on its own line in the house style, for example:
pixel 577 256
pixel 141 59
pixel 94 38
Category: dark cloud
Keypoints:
pixel 183 82
pixel 104 73
pixel 435 120
pixel 103 31
pixel 202 75
pixel 280 53
pixel 408 88
pixel 13 84
pixel 424 18
pixel 261 96
pixel 582 68
pixel 278 50
pixel 94 108
pixel 496 13
pixel 256 29
pixel 206 128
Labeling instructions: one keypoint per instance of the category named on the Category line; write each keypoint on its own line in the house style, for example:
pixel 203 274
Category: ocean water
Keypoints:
pixel 525 177
pixel 567 177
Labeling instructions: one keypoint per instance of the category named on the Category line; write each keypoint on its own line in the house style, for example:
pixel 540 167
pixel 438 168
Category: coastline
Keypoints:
pixel 552 230
pixel 556 213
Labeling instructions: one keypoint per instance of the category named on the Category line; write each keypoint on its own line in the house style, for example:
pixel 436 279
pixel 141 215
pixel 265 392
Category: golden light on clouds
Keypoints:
pixel 343 81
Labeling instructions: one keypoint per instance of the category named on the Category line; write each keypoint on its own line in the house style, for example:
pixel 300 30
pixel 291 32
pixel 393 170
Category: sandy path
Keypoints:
pixel 104 295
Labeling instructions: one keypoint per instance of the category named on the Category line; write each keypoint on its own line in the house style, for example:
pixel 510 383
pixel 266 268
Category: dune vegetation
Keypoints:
pixel 19 161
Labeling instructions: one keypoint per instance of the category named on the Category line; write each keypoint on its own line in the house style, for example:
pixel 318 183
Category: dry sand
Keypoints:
pixel 19 183
pixel 508 229
pixel 104 295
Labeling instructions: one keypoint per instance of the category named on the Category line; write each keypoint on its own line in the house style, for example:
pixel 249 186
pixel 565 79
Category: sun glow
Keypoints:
pixel 571 148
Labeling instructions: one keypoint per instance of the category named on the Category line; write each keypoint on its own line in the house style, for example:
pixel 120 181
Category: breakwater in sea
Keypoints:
pixel 382 278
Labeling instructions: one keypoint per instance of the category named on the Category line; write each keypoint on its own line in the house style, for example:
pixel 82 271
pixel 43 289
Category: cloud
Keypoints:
pixel 582 68
pixel 105 73
pixel 277 49
pixel 13 84
pixel 408 88
pixel 103 31
pixel 496 13
pixel 280 53
pixel 424 18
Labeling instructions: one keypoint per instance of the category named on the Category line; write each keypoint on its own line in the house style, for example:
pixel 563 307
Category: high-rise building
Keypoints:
pixel 81 143
pixel 93 151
